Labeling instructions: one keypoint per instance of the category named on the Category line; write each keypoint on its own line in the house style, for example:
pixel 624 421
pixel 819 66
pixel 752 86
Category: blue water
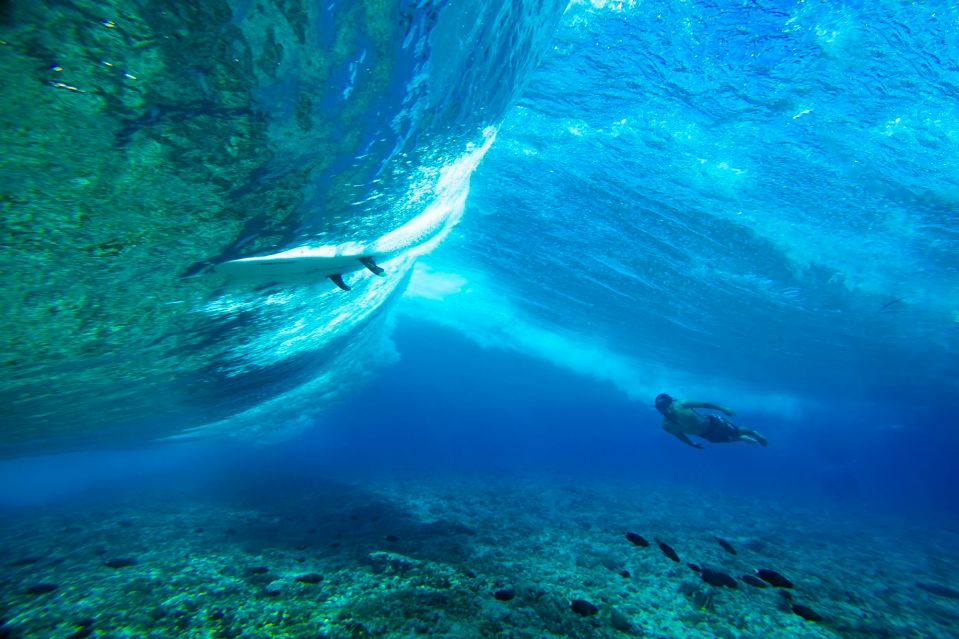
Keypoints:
pixel 450 407
pixel 754 204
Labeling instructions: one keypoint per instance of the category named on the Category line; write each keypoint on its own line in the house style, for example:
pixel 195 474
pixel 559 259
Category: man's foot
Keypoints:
pixel 753 438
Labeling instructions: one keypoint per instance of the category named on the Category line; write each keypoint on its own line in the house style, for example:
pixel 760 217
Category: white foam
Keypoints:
pixel 284 322
pixel 482 313
pixel 448 188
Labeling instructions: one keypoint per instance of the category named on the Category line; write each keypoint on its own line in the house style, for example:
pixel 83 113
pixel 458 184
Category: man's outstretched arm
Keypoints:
pixel 710 405
pixel 686 440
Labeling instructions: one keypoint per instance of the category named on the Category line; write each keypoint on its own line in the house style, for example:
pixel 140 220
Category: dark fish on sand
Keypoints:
pixel 41 589
pixel 937 589
pixel 505 594
pixel 716 578
pixel 753 580
pixel 668 551
pixel 26 561
pixel 82 633
pixel 728 547
pixel 695 567
pixel 583 607
pixel 121 562
pixel 773 578
pixel 806 612
pixel 636 540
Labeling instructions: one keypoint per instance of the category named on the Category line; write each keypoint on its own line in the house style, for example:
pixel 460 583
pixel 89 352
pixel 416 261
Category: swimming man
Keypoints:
pixel 681 420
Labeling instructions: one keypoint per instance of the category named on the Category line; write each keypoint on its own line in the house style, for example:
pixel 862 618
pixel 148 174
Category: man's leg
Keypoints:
pixel 751 436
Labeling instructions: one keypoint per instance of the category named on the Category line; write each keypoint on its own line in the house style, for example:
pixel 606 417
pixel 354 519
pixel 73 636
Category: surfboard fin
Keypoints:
pixel 369 263
pixel 337 278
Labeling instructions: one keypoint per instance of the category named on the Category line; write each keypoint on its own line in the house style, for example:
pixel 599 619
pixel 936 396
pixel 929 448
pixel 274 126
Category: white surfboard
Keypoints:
pixel 308 263
pixel 304 263
pixel 414 238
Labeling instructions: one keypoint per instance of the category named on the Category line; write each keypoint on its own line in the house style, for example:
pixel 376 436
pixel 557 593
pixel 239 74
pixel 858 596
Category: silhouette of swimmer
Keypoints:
pixel 681 420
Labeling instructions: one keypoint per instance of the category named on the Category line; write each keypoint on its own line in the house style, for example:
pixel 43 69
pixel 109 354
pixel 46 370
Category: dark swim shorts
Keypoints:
pixel 720 430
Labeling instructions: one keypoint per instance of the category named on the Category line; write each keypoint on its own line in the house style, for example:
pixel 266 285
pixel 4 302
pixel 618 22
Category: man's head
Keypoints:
pixel 663 402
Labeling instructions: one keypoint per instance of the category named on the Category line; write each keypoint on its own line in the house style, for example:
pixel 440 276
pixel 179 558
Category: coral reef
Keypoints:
pixel 523 559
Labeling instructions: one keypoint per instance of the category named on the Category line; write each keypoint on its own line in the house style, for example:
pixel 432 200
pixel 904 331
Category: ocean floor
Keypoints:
pixel 462 557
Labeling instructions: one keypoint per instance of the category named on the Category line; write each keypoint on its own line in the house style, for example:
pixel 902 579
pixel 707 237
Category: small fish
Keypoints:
pixel 938 589
pixel 26 561
pixel 505 594
pixel 695 567
pixel 121 562
pixel 636 540
pixel 716 578
pixel 728 547
pixel 668 551
pixel 583 607
pixel 82 633
pixel 41 589
pixel 753 580
pixel 806 612
pixel 773 578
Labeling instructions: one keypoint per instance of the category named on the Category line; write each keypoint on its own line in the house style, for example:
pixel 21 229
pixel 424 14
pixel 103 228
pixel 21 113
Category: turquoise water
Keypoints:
pixel 751 204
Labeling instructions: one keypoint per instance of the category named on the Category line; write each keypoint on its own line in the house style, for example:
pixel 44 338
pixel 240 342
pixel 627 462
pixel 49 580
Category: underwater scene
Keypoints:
pixel 461 318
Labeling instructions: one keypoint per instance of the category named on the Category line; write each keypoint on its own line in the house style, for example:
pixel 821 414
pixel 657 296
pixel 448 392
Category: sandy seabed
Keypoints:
pixel 463 557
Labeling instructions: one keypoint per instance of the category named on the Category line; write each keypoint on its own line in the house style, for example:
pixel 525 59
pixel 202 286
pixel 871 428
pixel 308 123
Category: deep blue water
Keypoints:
pixel 450 408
